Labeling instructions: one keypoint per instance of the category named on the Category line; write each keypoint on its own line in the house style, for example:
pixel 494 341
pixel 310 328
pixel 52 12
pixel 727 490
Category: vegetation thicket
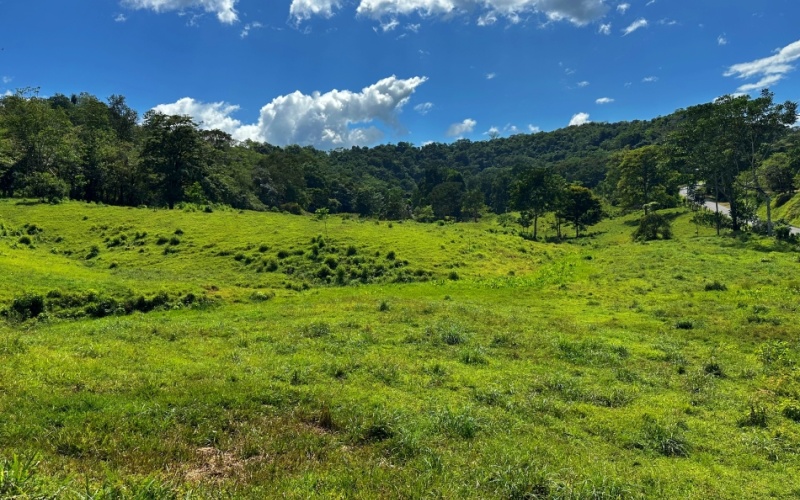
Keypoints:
pixel 350 338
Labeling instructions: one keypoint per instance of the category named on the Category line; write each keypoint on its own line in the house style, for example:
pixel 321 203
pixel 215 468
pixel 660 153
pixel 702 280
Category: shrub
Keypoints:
pixel 684 324
pixel 47 187
pixel 29 305
pixel 453 276
pixel 652 227
pixel 716 286
pixel 25 240
pixel 94 251
pixel 384 306
pixel 792 412
pixel 391 255
pixel 351 250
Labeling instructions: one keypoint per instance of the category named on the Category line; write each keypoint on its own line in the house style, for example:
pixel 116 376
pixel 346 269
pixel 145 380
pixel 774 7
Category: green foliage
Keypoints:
pixel 653 226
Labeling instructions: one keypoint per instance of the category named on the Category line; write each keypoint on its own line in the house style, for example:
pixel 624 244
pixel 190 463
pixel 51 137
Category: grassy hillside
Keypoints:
pixel 210 354
pixel 789 211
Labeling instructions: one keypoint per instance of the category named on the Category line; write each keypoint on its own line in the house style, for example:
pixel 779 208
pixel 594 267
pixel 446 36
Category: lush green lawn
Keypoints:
pixel 473 364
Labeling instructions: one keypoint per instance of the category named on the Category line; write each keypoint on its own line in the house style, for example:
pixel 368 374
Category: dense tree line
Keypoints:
pixel 82 148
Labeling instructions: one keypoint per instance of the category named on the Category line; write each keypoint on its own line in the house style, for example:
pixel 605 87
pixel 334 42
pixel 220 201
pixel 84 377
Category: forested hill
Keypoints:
pixel 83 148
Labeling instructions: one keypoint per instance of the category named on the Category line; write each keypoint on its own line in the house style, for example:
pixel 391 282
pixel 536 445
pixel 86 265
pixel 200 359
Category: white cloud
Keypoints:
pixel 459 129
pixel 325 121
pixel 579 119
pixel 667 22
pixel 490 76
pixel 770 69
pixel 623 8
pixel 508 130
pixel 423 108
pixel 763 83
pixel 721 40
pixel 604 29
pixel 215 115
pixel 583 84
pixel 224 9
pixel 579 12
pixel 533 129
pixel 390 25
pixel 7 80
pixel 120 18
pixel 650 79
pixel 414 28
pixel 604 100
pixel 7 93
pixel 301 10
pixel 637 24
pixel 250 26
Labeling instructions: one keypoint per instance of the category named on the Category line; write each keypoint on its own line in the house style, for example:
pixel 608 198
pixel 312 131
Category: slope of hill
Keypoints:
pixel 445 360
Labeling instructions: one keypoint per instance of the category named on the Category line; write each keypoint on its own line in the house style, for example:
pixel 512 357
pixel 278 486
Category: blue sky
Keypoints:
pixel 337 73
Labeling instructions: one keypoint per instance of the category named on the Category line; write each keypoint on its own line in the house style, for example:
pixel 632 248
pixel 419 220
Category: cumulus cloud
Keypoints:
pixel 604 29
pixel 7 80
pixel 623 8
pixel 583 84
pixel 770 70
pixel 120 18
pixel 579 119
pixel 650 79
pixel 533 129
pixel 301 10
pixel 721 40
pixel 579 12
pixel 490 76
pixel 339 118
pixel 637 24
pixel 224 9
pixel 604 100
pixel 423 108
pixel 459 129
pixel 214 115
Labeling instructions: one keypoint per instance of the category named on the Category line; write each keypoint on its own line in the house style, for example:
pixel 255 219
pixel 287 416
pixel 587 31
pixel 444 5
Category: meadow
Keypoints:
pixel 203 354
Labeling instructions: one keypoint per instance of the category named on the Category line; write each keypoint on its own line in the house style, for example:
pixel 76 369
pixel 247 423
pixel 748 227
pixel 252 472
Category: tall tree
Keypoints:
pixel 580 207
pixel 755 124
pixel 173 150
pixel 536 191
pixel 643 178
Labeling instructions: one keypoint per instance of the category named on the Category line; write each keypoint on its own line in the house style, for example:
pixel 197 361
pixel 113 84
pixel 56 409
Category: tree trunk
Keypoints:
pixel 535 225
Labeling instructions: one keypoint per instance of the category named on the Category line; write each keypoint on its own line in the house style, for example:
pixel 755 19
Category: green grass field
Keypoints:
pixel 239 354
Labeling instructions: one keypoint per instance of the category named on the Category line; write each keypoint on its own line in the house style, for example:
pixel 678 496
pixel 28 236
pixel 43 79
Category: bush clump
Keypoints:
pixel 27 306
pixel 653 226
pixel 716 286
